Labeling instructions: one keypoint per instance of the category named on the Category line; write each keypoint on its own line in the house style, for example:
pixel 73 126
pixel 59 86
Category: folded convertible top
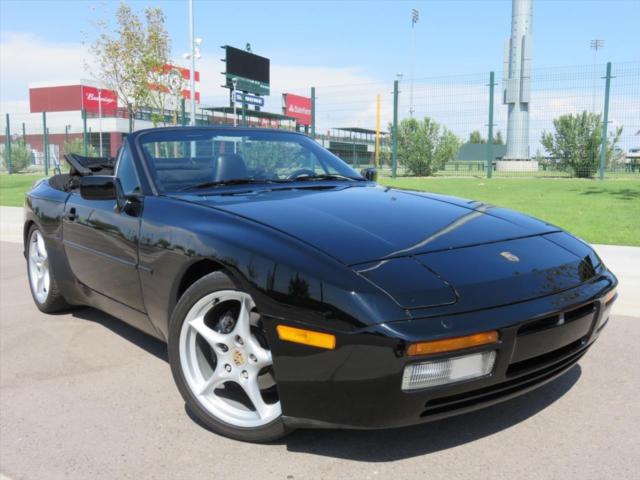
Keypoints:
pixel 84 166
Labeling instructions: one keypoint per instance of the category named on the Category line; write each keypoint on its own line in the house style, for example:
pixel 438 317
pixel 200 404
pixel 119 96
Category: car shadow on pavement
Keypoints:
pixel 148 343
pixel 402 443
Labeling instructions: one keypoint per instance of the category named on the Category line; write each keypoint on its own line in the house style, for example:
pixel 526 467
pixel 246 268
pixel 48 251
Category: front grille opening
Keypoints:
pixel 579 312
pixel 554 320
pixel 487 394
pixel 538 325
pixel 549 357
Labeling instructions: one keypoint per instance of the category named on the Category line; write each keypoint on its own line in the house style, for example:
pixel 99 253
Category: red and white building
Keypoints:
pixel 63 104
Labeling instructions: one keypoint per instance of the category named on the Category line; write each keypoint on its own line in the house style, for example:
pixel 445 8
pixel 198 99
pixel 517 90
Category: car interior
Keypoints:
pixel 169 173
pixel 175 173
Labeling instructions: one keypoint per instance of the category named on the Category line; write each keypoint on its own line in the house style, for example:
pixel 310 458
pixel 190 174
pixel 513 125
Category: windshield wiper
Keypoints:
pixel 326 176
pixel 220 183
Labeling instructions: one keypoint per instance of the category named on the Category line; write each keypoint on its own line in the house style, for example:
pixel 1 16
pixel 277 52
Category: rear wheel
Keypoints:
pixel 221 361
pixel 42 281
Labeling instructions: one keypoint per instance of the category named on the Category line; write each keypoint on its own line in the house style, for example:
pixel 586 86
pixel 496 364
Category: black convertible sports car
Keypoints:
pixel 294 292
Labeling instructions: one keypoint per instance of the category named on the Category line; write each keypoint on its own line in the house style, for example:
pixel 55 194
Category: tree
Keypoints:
pixel 497 140
pixel 20 157
pixel 476 137
pixel 576 142
pixel 424 146
pixel 131 56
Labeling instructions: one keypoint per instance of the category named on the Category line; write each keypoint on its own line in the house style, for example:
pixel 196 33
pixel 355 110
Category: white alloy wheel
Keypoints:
pixel 226 362
pixel 39 267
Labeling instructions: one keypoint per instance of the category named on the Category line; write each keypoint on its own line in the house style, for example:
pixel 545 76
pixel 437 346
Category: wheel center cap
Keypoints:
pixel 238 358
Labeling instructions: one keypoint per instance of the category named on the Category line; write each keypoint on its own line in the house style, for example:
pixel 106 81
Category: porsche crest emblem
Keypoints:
pixel 238 358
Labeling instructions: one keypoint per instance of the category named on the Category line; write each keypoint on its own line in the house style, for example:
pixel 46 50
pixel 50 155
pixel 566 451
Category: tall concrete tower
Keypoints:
pixel 517 79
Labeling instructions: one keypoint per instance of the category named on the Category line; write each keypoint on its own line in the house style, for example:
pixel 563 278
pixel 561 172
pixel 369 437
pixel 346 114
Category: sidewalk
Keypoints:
pixel 623 261
pixel 11 219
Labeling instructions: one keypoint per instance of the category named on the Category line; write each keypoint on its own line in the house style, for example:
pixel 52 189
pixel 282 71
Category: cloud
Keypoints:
pixel 26 58
pixel 14 106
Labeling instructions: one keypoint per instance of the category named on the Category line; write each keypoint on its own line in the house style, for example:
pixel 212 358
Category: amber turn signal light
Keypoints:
pixel 609 297
pixel 452 344
pixel 306 337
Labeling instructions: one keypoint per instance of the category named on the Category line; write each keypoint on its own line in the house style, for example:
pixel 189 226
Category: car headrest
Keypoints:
pixel 229 166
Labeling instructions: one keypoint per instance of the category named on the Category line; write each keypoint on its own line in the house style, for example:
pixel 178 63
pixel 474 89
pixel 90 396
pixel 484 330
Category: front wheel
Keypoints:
pixel 221 361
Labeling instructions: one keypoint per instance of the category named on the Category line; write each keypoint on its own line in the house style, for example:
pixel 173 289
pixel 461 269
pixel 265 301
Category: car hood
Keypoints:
pixel 358 224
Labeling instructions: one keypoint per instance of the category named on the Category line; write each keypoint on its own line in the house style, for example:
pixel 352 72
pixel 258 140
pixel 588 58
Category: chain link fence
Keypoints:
pixel 426 126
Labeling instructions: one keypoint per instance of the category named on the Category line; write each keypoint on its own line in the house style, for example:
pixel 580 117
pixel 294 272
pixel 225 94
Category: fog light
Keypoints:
pixel 447 370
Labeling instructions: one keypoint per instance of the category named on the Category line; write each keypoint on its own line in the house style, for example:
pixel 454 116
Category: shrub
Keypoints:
pixel 424 146
pixel 575 144
pixel 20 157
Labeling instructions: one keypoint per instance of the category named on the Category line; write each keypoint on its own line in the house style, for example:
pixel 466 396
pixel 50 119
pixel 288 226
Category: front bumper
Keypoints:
pixel 358 385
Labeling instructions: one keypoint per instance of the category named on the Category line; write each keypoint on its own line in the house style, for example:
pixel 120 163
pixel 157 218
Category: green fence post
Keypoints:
pixel 7 146
pixel 394 133
pixel 605 122
pixel 490 132
pixel 130 115
pixel 183 113
pixel 45 143
pixel 85 145
pixel 313 112
pixel 355 157
pixel 244 110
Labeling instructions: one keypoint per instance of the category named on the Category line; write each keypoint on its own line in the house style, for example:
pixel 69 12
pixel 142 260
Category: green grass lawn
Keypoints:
pixel 13 188
pixel 599 212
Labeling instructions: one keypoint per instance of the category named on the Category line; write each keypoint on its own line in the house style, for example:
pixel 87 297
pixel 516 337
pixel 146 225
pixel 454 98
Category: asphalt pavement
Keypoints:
pixel 84 396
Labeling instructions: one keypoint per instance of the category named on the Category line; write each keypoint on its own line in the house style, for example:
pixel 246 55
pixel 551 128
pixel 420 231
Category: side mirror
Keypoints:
pixel 370 174
pixel 100 187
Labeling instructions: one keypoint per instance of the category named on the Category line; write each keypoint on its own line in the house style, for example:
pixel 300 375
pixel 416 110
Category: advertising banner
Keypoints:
pixel 93 97
pixel 298 107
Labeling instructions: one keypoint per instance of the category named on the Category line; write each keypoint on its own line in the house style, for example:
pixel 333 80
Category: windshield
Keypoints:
pixel 193 158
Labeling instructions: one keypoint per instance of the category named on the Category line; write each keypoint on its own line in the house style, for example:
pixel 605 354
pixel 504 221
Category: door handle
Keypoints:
pixel 71 215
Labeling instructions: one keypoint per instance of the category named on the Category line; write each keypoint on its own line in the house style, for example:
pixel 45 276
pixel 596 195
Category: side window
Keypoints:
pixel 127 173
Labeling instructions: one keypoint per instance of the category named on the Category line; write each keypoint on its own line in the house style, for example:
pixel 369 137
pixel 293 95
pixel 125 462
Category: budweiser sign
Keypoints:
pixel 297 107
pixel 95 100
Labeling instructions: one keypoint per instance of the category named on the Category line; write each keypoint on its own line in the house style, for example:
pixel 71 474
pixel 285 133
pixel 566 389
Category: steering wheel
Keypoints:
pixel 300 172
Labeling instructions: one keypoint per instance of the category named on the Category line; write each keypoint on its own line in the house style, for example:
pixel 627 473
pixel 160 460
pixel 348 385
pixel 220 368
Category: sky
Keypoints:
pixel 321 43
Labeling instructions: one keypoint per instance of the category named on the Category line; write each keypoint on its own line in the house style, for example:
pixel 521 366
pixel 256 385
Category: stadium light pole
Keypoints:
pixel 192 73
pixel 596 44
pixel 100 119
pixel 194 53
pixel 415 16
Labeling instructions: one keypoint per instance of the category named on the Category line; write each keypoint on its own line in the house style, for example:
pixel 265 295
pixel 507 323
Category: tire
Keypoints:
pixel 221 362
pixel 42 279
